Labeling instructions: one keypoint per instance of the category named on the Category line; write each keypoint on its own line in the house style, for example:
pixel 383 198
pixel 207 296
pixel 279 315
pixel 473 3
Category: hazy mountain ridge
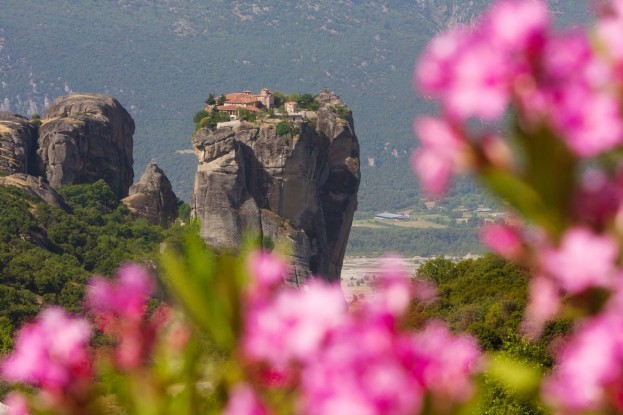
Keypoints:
pixel 161 58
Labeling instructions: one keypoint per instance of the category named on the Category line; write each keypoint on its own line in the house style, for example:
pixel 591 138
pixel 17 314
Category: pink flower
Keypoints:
pixel 292 325
pixel 126 297
pixel 371 368
pixel 590 121
pixel 449 361
pixel 506 240
pixel 51 353
pixel 393 291
pixel 244 401
pixel 582 260
pixel 360 369
pixel 569 90
pixel 589 364
pixel 268 270
pixel 609 32
pixel 599 197
pixel 120 309
pixel 440 153
pixel 543 305
pixel 467 73
pixel 517 24
pixel 17 404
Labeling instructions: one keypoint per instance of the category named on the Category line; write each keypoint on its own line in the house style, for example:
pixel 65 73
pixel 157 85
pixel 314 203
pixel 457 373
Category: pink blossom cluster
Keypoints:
pixel 120 311
pixel 355 363
pixel 565 86
pixel 589 374
pixel 51 353
pixel 512 59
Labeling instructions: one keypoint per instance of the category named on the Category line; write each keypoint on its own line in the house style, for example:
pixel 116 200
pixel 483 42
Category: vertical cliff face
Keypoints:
pixel 299 188
pixel 84 138
pixel 18 137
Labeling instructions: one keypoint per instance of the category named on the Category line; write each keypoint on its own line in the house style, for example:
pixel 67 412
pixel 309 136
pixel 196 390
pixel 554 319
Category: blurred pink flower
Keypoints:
pixel 517 24
pixel 439 154
pixel 466 73
pixel 268 270
pixel 393 290
pixel 583 260
pixel 599 197
pixel 506 240
pixel 589 364
pixel 120 308
pixel 609 31
pixel 292 325
pixel 361 369
pixel 17 404
pixel 590 121
pixel 244 401
pixel 543 305
pixel 51 353
pixel 125 297
pixel 449 361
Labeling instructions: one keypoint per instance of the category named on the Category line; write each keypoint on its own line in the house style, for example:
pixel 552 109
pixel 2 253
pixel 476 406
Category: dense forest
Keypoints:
pixel 47 254
pixel 487 298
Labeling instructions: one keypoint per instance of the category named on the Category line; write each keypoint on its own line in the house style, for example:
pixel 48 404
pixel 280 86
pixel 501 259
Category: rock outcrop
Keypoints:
pixel 84 138
pixel 152 197
pixel 36 187
pixel 18 138
pixel 299 188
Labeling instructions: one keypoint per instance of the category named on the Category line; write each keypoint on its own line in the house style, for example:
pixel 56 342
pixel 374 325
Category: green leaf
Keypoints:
pixel 208 287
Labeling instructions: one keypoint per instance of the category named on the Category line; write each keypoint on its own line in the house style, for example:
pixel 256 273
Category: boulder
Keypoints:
pixel 18 137
pixel 84 138
pixel 37 187
pixel 152 197
pixel 299 188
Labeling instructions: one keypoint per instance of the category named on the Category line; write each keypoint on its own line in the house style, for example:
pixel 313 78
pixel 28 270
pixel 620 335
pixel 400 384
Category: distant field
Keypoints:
pixel 383 223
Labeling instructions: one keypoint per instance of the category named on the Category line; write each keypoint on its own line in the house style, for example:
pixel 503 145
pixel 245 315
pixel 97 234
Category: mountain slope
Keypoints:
pixel 162 58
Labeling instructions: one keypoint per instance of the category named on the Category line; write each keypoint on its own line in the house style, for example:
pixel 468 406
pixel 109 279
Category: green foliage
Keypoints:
pixel 284 128
pixel 210 120
pixel 246 115
pixel 200 115
pixel 341 111
pixel 211 99
pixel 183 211
pixel 194 274
pixel 280 98
pixel 414 242
pixel 484 296
pixel 47 254
pixel 487 297
pixel 97 196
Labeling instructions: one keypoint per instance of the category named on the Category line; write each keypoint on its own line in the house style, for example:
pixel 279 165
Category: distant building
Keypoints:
pixel 246 98
pixel 393 216
pixel 291 107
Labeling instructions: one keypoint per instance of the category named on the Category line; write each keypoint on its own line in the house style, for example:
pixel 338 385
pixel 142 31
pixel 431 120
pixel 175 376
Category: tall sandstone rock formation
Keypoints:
pixel 152 197
pixel 299 188
pixel 84 138
pixel 18 138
